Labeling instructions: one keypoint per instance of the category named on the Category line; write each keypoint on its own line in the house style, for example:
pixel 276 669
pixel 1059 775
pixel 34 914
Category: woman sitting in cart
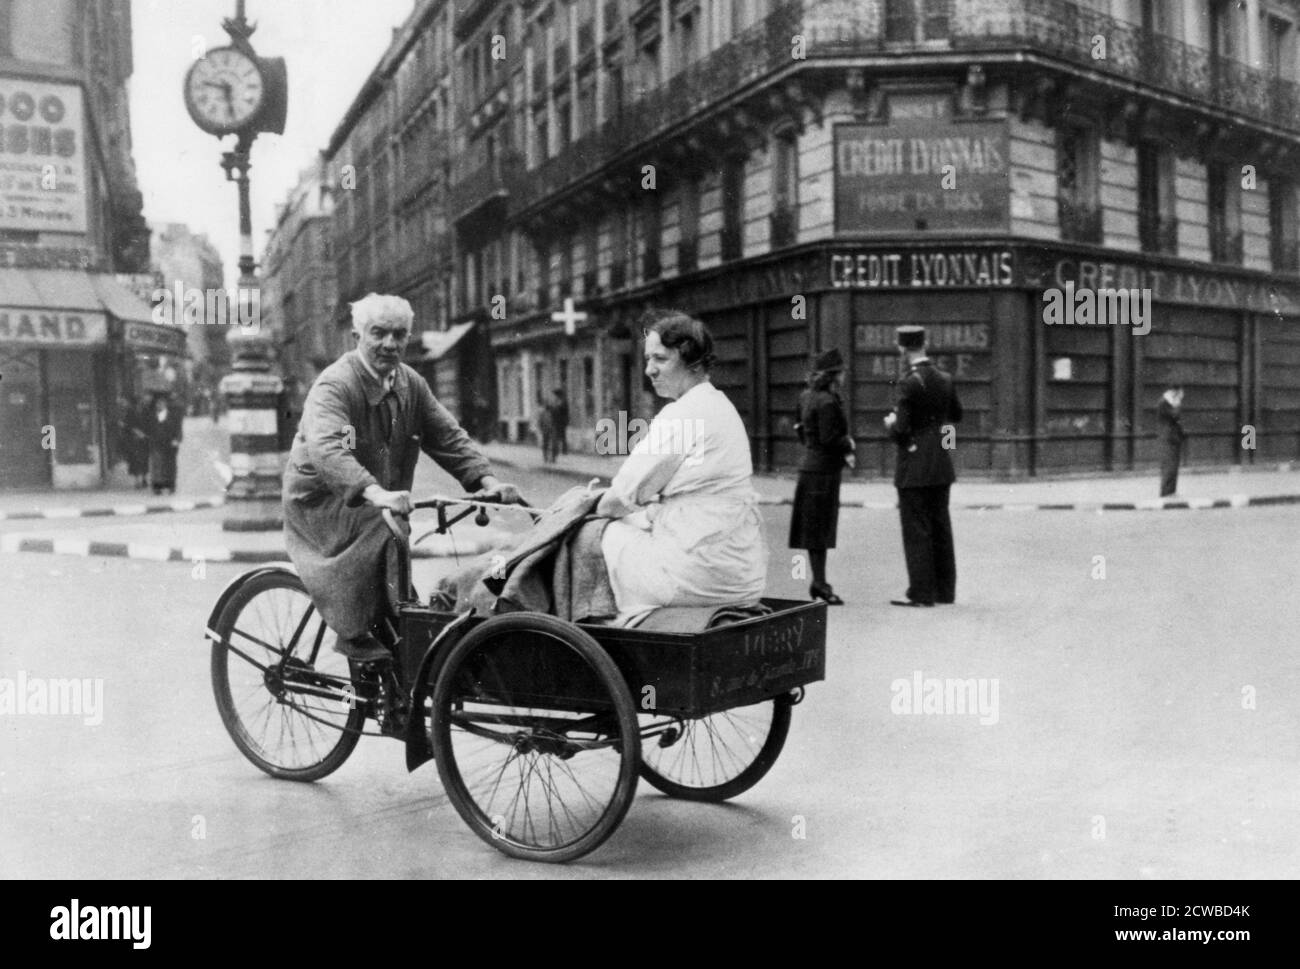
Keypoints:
pixel 702 541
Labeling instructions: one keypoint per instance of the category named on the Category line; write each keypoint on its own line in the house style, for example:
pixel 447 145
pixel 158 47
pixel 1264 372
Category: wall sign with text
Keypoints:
pixel 918 176
pixel 42 157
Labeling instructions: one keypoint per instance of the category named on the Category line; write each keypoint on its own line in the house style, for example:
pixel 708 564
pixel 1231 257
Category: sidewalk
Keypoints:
pixel 1128 492
pixel 200 483
pixel 199 537
pixel 194 530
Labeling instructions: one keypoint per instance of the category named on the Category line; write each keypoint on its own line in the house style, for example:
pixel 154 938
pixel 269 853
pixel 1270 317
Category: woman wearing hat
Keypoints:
pixel 824 432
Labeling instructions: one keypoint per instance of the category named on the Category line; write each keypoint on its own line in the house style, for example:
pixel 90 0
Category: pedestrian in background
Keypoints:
pixel 135 440
pixel 546 430
pixel 164 432
pixel 560 415
pixel 924 474
pixel 1170 414
pixel 823 429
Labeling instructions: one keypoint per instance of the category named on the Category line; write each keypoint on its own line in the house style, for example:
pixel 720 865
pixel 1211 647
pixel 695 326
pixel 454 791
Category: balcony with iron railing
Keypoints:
pixel 1055 29
pixel 491 181
pixel 1158 233
pixel 1079 221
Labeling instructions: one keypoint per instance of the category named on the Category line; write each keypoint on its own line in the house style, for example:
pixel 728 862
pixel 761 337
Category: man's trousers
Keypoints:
pixel 927 543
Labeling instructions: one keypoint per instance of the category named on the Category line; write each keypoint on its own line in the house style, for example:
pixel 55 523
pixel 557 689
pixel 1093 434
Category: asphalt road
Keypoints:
pixel 1145 725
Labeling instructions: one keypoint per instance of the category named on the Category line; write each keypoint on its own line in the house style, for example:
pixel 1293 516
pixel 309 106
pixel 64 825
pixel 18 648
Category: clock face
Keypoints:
pixel 224 90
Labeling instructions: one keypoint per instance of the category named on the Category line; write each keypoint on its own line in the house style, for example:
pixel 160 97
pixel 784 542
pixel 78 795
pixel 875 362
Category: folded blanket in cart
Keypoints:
pixel 696 619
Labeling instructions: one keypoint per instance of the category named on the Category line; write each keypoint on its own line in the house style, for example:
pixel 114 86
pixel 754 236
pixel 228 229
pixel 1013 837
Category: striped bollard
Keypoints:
pixel 252 395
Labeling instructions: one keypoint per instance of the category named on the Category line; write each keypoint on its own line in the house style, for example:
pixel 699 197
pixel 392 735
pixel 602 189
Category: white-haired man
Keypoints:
pixel 365 421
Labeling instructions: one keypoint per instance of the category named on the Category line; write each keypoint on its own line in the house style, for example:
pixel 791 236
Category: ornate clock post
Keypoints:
pixel 230 90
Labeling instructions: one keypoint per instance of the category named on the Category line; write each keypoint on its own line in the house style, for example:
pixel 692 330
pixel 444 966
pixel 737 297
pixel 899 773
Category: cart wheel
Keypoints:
pixel 719 756
pixel 533 771
pixel 288 701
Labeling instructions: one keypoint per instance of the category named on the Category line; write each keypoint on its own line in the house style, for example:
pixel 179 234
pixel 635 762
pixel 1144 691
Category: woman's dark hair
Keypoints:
pixel 683 333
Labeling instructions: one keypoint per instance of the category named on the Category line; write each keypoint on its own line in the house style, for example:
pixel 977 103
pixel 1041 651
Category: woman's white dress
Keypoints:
pixel 702 542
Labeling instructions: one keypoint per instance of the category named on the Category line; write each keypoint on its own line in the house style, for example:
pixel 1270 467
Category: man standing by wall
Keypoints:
pixel 924 474
pixel 1170 414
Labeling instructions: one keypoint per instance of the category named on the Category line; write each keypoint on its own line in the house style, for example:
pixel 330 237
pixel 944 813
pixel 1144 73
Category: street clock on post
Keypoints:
pixel 230 90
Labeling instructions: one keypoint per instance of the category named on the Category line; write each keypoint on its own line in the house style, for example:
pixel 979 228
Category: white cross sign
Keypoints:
pixel 569 317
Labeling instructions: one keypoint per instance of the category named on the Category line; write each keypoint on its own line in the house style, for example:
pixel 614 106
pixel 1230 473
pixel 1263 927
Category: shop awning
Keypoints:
pixel 438 343
pixel 71 289
pixel 48 289
pixel 120 301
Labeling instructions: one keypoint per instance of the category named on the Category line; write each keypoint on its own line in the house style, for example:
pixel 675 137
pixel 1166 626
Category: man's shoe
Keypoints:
pixel 363 649
pixel 911 602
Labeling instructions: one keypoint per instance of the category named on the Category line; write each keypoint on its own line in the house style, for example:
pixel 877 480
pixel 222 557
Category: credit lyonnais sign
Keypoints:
pixel 917 175
pixel 922 269
pixel 53 327
pixel 42 157
pixel 1169 285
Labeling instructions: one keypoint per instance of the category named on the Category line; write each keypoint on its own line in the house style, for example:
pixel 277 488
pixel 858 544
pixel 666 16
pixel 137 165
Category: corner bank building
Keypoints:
pixel 808 175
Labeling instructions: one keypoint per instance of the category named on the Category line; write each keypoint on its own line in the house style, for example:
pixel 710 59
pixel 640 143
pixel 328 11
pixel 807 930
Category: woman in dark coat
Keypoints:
pixel 135 440
pixel 164 430
pixel 824 431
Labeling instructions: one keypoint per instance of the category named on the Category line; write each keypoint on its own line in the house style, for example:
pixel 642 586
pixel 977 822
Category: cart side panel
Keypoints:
pixel 729 666
pixel 659 668
pixel 751 661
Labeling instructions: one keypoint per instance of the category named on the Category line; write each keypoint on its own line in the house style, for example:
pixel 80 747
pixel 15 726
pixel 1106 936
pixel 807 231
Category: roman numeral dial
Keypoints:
pixel 224 90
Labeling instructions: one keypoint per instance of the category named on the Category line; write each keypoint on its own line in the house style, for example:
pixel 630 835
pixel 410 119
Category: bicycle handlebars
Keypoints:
pixel 442 504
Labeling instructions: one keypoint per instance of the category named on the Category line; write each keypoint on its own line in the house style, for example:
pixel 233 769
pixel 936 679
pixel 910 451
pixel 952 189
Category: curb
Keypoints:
pixel 1154 504
pixel 192 553
pixel 68 511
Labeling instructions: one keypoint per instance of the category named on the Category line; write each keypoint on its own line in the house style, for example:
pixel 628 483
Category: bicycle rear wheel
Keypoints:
pixel 535 737
pixel 719 756
pixel 284 694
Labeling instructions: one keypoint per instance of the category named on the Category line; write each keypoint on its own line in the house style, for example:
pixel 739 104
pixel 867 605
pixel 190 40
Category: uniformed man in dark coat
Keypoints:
pixel 823 429
pixel 364 423
pixel 927 403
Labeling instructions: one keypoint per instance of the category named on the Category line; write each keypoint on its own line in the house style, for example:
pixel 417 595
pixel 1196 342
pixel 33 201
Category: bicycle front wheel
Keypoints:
pixel 284 694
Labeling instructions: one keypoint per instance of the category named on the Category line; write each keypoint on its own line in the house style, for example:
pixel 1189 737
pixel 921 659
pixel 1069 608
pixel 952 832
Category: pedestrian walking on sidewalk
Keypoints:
pixel 1170 414
pixel 924 474
pixel 560 415
pixel 135 440
pixel 546 431
pixel 164 432
pixel 823 430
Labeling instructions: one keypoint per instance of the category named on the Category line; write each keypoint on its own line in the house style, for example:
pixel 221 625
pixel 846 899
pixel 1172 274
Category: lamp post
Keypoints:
pixel 230 90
